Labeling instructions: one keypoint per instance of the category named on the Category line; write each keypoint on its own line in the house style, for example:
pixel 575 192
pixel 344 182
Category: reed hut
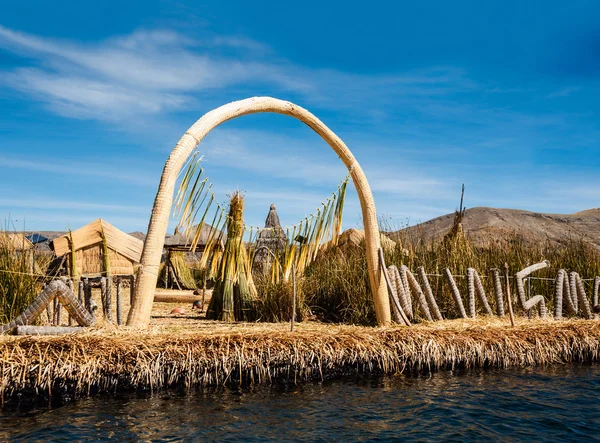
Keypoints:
pixel 99 248
pixel 176 272
pixel 354 239
pixel 17 243
pixel 271 241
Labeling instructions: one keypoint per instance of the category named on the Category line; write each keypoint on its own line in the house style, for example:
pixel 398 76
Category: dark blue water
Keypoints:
pixel 559 403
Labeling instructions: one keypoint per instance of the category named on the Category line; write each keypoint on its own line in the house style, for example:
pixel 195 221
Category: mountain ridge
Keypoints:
pixel 484 224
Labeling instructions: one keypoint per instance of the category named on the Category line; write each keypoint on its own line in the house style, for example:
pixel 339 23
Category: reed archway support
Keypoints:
pixel 139 314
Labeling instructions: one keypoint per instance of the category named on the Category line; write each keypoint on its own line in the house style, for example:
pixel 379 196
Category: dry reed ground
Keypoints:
pixel 188 351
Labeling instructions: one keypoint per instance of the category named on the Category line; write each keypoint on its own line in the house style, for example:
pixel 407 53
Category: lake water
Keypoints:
pixel 557 403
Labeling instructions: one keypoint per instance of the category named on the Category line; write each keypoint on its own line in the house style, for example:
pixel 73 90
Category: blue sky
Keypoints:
pixel 502 96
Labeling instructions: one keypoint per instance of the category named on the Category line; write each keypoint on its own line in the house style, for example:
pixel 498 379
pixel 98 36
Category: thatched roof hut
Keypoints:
pixel 271 240
pixel 15 241
pixel 354 238
pixel 179 259
pixel 85 249
pixel 182 242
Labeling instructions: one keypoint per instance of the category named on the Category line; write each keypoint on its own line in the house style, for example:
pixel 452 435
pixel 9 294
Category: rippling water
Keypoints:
pixel 560 403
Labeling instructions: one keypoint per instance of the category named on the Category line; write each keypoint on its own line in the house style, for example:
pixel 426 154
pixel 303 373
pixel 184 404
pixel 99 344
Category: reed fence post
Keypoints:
pixel 567 295
pixel 393 291
pixel 455 293
pixel 429 294
pixel 471 290
pixel 397 291
pixel 479 289
pixel 416 287
pixel 508 296
pixel 294 299
pixel 583 300
pixel 406 289
pixel 573 291
pixel 498 292
pixel 558 294
pixel 595 306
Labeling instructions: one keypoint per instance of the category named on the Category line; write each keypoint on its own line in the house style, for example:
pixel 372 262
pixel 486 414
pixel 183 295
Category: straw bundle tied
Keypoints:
pixel 79 365
pixel 234 286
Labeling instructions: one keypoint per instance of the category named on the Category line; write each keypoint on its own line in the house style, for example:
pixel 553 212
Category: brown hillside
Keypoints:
pixel 483 225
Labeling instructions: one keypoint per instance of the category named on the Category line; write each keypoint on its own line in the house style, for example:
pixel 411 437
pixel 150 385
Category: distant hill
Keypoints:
pixel 482 225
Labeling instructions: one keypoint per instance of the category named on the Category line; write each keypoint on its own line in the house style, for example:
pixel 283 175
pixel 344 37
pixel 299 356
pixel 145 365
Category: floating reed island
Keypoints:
pixel 215 354
pixel 264 277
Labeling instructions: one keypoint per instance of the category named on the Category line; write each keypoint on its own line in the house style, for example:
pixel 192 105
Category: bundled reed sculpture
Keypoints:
pixel 139 314
pixel 538 300
pixel 56 289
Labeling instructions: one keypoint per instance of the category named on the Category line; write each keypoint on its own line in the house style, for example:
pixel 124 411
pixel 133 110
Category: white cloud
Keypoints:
pixel 145 72
pixel 159 71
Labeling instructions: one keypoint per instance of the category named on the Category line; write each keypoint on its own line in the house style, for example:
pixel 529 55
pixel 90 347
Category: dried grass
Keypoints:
pixel 213 353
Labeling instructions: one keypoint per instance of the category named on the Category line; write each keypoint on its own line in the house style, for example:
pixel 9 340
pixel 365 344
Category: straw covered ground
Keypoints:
pixel 196 352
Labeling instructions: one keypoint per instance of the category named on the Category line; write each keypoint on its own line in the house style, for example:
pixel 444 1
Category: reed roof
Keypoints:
pixel 16 241
pixel 355 237
pixel 273 232
pixel 183 241
pixel 91 234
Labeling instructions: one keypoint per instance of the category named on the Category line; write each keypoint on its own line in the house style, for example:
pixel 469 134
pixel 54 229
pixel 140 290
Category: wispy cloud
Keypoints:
pixel 563 92
pixel 114 170
pixel 38 202
pixel 159 71
pixel 147 71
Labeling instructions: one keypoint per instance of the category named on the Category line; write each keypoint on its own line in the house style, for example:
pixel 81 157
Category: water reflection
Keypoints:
pixel 541 404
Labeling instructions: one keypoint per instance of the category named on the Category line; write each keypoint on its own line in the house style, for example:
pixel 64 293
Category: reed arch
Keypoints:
pixel 139 314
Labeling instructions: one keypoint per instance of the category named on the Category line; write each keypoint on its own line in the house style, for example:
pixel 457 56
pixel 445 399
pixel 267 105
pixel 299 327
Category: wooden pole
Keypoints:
pixel 48 308
pixel 131 288
pixel 88 297
pixel 48 330
pixel 80 292
pixel 294 300
pixel 508 296
pixel 119 303
pixel 69 315
pixel 204 289
pixel 105 296
pixel 167 272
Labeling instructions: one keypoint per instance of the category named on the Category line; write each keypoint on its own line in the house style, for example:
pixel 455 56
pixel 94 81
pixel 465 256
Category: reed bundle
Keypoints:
pixel 219 354
pixel 234 288
pixel 18 284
